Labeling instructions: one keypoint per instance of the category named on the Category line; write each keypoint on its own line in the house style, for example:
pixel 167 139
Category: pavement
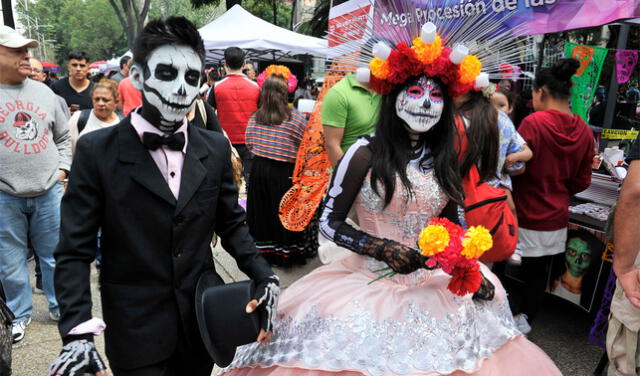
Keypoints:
pixel 561 329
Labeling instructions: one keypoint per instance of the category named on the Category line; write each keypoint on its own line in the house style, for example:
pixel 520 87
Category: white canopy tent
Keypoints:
pixel 261 39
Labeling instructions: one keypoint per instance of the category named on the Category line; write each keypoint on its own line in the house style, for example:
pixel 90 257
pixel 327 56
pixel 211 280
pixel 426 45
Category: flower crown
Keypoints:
pixel 457 69
pixel 279 71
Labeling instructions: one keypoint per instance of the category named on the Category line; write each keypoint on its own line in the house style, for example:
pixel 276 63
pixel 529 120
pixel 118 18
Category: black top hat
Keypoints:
pixel 222 319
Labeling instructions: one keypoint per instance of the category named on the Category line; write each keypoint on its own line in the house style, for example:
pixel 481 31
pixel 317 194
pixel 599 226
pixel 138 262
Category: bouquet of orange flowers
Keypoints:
pixel 455 251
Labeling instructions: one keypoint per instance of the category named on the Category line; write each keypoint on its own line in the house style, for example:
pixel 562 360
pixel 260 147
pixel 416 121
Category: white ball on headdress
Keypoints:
pixel 381 50
pixel 459 52
pixel 428 33
pixel 482 81
pixel 363 75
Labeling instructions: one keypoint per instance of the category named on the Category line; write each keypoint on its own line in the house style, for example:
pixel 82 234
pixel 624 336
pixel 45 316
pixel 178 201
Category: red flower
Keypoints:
pixel 465 280
pixel 403 63
pixel 441 66
pixel 381 86
pixel 411 62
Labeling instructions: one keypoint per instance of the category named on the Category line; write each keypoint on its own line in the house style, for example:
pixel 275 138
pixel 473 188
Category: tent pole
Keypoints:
pixel 613 85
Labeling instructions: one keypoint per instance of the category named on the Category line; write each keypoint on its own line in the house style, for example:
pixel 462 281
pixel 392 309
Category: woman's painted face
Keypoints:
pixel 420 104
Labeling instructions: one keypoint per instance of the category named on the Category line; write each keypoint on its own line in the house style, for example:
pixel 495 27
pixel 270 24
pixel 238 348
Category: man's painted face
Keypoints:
pixel 577 256
pixel 420 104
pixel 170 82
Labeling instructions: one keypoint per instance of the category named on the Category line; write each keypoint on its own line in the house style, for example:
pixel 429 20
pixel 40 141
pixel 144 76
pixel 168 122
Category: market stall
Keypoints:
pixel 261 39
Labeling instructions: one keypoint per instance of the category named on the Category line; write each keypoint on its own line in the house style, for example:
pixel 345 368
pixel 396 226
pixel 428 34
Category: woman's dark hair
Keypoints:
pixel 557 79
pixel 482 135
pixel 164 31
pixel 392 145
pixel 273 105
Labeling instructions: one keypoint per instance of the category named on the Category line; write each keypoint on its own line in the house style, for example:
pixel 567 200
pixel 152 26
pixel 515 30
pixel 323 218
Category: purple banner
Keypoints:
pixel 538 16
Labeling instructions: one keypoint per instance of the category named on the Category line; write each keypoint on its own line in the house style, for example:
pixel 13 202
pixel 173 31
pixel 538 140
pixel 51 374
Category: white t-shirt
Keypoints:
pixel 93 124
pixel 541 243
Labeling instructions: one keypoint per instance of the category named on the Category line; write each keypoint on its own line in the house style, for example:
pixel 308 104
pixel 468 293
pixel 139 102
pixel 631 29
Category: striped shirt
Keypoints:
pixel 279 142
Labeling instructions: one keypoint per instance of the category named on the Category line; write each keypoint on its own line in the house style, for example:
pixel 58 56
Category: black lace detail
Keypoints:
pixel 400 258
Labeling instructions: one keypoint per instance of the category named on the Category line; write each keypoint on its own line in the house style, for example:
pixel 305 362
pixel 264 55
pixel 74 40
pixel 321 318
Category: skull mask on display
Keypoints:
pixel 420 104
pixel 169 83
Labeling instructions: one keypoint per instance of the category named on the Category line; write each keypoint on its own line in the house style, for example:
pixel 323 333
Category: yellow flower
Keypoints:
pixel 427 53
pixel 379 68
pixel 470 68
pixel 477 240
pixel 433 239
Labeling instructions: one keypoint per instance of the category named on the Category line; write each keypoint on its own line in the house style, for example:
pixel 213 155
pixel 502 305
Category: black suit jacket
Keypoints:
pixel 154 247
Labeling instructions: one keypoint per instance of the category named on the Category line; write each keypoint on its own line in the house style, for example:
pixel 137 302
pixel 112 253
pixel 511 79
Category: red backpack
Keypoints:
pixel 486 206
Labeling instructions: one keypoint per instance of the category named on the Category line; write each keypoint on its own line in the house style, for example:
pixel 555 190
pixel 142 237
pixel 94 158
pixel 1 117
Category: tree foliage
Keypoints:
pixel 86 25
pixel 200 16
pixel 132 15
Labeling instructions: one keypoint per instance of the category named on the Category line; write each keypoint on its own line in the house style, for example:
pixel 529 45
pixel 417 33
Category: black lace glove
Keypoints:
pixel 77 358
pixel 267 293
pixel 486 291
pixel 400 258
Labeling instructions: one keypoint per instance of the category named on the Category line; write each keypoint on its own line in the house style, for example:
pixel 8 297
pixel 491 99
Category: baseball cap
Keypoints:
pixel 12 39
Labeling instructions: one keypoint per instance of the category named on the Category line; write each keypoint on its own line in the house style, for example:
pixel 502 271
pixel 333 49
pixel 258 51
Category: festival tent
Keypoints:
pixel 261 39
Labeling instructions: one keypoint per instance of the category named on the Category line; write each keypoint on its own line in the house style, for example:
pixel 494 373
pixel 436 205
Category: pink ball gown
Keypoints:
pixel 335 322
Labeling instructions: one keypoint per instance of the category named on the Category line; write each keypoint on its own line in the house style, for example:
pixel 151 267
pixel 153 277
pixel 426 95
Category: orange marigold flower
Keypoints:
pixel 470 68
pixel 477 240
pixel 433 239
pixel 278 70
pixel 379 68
pixel 427 53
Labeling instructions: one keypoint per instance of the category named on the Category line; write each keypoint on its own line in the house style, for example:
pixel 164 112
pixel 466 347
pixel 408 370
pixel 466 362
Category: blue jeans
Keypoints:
pixel 39 218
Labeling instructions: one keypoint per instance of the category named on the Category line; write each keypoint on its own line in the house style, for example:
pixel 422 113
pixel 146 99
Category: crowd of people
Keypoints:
pixel 142 169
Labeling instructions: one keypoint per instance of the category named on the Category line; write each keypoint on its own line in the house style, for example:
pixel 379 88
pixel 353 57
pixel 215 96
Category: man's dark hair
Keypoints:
pixel 78 55
pixel 124 60
pixel 163 31
pixel 234 57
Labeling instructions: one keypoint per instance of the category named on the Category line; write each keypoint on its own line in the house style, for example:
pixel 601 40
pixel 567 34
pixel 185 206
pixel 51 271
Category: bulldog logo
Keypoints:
pixel 26 127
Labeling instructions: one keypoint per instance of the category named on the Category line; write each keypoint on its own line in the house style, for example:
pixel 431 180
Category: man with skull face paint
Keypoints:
pixel 174 188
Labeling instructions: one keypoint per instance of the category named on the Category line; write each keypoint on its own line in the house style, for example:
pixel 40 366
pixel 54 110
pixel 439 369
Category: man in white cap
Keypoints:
pixel 35 156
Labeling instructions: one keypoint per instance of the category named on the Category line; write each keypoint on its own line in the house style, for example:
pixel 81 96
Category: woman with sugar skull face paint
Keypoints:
pixel 335 321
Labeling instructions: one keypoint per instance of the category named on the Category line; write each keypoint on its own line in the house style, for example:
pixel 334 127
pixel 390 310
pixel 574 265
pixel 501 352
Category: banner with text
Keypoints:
pixel 537 16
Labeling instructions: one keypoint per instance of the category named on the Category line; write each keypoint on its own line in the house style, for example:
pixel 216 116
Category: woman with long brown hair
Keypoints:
pixel 273 135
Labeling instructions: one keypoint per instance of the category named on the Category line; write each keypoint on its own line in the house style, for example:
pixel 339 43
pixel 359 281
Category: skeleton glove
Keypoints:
pixel 77 358
pixel 267 292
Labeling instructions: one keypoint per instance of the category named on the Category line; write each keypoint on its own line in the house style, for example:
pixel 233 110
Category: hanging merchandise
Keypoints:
pixel 626 61
pixel 586 79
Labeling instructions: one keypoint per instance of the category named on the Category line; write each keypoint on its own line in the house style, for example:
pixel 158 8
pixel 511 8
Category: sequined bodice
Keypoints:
pixel 406 215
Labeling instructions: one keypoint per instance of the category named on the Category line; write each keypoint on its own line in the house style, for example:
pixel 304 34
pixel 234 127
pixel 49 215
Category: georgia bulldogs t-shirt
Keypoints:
pixel 34 139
